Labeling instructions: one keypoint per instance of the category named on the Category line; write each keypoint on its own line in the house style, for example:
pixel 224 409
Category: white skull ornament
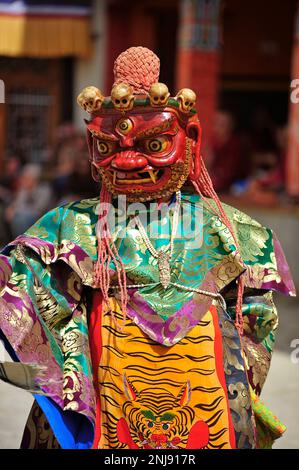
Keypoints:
pixel 186 98
pixel 122 97
pixel 90 99
pixel 159 94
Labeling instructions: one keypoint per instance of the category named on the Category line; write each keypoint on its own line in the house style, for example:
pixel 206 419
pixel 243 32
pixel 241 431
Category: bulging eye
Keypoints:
pixel 150 424
pixel 155 145
pixel 105 148
pixel 159 144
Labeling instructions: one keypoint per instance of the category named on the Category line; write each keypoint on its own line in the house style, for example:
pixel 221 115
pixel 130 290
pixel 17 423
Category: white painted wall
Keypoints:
pixel 91 71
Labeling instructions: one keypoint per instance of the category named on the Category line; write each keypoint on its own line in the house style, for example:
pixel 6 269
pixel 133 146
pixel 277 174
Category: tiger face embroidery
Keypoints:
pixel 158 397
pixel 156 419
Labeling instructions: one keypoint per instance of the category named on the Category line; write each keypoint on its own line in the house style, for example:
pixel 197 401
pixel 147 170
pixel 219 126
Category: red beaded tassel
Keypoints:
pixel 205 189
pixel 107 252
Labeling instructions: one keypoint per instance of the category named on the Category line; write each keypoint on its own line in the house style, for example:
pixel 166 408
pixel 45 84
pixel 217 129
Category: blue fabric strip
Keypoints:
pixel 72 430
pixel 8 347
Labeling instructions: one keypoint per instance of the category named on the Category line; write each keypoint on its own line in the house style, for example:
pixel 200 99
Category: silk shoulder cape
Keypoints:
pixel 44 314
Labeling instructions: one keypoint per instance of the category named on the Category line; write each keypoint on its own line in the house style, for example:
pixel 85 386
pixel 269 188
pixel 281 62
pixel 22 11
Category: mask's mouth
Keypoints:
pixel 149 176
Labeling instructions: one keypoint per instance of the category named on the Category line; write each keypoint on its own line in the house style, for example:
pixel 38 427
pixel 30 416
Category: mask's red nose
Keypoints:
pixel 129 160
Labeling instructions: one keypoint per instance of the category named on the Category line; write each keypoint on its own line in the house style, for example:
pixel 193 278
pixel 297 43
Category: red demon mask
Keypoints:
pixel 142 143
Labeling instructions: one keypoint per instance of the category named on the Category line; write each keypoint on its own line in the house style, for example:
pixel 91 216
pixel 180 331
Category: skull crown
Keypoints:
pixel 122 97
pixel 186 98
pixel 159 94
pixel 90 99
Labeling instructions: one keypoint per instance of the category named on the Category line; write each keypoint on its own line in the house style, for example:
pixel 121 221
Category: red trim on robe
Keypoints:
pixel 95 341
pixel 220 371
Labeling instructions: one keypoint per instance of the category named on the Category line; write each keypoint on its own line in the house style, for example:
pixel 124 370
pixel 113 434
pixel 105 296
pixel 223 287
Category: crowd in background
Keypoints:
pixel 249 166
pixel 28 190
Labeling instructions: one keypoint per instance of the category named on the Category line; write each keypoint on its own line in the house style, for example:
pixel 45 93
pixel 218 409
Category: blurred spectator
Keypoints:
pixel 81 184
pixel 270 175
pixel 31 201
pixel 62 171
pixel 8 185
pixel 63 160
pixel 72 175
pixel 264 155
pixel 9 178
pixel 263 131
pixel 226 152
pixel 265 181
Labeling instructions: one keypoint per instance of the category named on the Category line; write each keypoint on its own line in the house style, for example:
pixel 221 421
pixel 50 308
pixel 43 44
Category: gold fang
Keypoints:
pixel 152 175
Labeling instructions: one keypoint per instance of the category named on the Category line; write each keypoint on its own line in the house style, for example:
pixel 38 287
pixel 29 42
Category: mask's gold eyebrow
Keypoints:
pixel 156 130
pixel 102 135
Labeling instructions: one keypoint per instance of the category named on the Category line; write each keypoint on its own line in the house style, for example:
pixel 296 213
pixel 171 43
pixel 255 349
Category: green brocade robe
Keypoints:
pixel 47 285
